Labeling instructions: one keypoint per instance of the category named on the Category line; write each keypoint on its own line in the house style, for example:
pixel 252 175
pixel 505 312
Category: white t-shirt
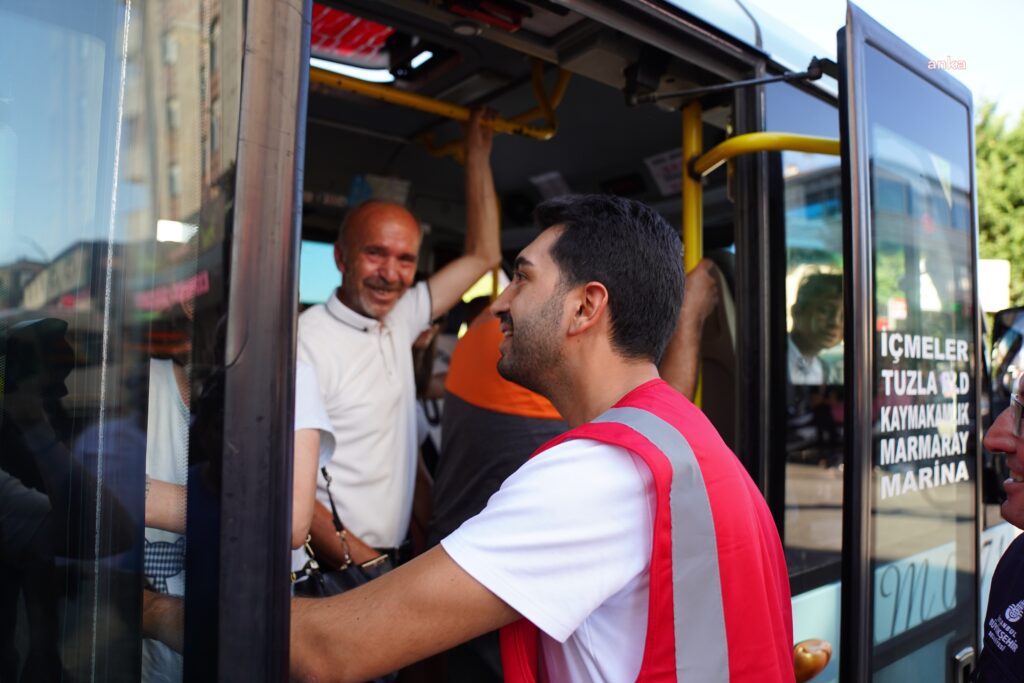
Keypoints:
pixel 566 541
pixel 364 367
pixel 166 460
pixel 311 414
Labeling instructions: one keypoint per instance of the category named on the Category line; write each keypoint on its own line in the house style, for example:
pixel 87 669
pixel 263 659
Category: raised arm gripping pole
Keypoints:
pixel 546 105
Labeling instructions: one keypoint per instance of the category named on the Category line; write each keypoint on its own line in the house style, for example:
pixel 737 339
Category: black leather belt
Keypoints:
pixel 398 555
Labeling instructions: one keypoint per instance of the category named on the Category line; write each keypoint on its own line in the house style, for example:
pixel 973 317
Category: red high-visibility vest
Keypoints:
pixel 719 607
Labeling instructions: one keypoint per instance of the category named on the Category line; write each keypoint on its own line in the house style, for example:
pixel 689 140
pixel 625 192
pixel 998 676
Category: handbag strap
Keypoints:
pixel 339 528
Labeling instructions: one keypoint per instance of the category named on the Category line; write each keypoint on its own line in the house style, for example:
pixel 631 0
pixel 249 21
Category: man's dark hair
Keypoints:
pixel 818 287
pixel 630 249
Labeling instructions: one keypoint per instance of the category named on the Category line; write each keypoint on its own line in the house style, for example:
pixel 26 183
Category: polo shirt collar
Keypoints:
pixel 346 315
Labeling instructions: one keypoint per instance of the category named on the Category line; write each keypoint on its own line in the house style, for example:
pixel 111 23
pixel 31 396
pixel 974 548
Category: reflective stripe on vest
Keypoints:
pixel 701 645
pixel 686 637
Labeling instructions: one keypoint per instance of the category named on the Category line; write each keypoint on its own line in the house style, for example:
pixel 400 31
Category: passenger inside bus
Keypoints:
pixel 360 343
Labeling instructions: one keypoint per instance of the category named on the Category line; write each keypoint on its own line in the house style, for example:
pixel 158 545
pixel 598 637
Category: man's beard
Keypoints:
pixel 533 353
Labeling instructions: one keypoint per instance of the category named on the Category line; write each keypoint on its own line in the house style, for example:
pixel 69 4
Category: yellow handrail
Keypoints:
pixel 760 142
pixel 693 206
pixel 693 200
pixel 546 105
pixel 430 105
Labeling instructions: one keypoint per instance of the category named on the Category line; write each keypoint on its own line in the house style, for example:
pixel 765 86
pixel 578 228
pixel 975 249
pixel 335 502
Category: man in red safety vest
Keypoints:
pixel 633 547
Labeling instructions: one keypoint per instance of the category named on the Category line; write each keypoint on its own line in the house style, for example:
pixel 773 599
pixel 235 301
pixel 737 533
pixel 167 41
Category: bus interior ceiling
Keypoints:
pixel 600 146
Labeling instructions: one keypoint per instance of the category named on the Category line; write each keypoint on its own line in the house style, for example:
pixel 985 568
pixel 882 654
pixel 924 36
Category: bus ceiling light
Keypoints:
pixel 175 231
pixel 421 59
pixel 368 75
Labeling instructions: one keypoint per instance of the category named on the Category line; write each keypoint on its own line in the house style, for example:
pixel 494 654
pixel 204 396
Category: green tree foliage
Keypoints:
pixel 1000 177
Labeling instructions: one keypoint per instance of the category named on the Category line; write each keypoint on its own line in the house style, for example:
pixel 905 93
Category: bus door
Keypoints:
pixel 912 364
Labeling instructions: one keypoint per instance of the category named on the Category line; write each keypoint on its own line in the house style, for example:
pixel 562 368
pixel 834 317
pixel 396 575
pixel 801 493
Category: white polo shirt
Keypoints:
pixel 364 367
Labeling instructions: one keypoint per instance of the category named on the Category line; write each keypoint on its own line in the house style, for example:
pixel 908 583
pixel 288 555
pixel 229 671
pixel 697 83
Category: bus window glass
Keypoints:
pixel 814 364
pixel 924 364
pixel 113 256
pixel 812 309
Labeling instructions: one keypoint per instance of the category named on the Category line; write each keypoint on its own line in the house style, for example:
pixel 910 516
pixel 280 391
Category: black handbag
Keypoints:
pixel 323 583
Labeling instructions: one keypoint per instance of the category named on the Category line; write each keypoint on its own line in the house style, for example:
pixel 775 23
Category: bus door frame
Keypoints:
pixel 856 642
pixel 247 628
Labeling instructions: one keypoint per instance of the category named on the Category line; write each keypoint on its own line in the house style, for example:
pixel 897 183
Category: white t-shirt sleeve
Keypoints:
pixel 317 346
pixel 310 412
pixel 567 531
pixel 413 310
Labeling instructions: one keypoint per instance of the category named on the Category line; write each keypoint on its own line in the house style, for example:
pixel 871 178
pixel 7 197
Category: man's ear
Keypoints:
pixel 591 301
pixel 339 256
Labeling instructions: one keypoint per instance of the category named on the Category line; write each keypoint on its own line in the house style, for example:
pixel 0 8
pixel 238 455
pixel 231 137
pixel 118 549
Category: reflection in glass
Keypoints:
pixel 812 308
pixel 113 253
pixel 814 367
pixel 925 396
pixel 817 327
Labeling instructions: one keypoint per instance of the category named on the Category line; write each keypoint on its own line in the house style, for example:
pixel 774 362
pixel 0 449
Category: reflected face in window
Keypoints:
pixel 818 314
pixel 824 322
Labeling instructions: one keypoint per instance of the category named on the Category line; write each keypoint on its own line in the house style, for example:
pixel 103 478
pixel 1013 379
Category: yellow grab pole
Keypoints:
pixel 430 105
pixel 693 200
pixel 749 143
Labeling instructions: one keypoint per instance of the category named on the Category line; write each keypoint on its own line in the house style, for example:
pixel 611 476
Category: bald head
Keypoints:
pixel 375 213
pixel 376 253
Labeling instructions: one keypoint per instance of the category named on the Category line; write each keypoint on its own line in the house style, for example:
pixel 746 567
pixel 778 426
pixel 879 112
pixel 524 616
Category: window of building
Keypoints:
pixel 173 113
pixel 214 45
pixel 170 48
pixel 174 179
pixel 215 125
